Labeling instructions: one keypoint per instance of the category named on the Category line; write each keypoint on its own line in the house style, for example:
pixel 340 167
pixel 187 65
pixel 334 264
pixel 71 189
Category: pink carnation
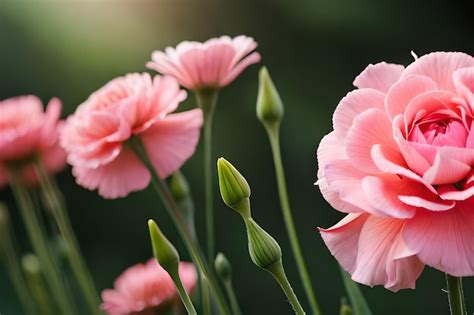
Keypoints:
pixel 212 64
pixel 144 288
pixel 400 162
pixel 134 105
pixel 26 131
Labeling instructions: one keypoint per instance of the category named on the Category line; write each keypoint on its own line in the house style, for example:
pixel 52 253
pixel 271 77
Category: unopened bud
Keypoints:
pixel 179 186
pixel 269 104
pixel 263 248
pixel 164 252
pixel 223 267
pixel 31 265
pixel 235 190
pixel 345 308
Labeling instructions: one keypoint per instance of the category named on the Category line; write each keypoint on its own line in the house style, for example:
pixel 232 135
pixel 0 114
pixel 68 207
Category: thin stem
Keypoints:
pixel 34 277
pixel 55 202
pixel 183 294
pixel 12 262
pixel 273 132
pixel 278 273
pixel 163 192
pixel 455 295
pixel 39 241
pixel 207 102
pixel 205 298
pixel 234 304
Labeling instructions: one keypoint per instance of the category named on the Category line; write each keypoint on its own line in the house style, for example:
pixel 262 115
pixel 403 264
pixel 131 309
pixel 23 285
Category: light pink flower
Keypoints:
pixel 144 288
pixel 134 105
pixel 400 162
pixel 26 132
pixel 209 65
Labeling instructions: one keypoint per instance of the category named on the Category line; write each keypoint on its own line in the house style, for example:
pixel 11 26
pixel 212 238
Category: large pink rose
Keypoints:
pixel 136 105
pixel 400 163
pixel 27 131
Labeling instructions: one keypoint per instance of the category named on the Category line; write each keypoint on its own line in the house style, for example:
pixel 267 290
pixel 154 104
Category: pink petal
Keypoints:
pixel 449 192
pixel 332 149
pixel 117 179
pixel 380 76
pixel 464 83
pixel 446 171
pixel 241 66
pixel 342 240
pixel 342 178
pixel 388 166
pixel 370 128
pixel 49 132
pixel 383 257
pixel 415 161
pixel 439 67
pixel 353 104
pixel 173 140
pixel 402 92
pixel 444 240
pixel 382 193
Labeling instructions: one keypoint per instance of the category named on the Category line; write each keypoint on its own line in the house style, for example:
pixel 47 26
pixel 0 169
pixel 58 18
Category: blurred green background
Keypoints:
pixel 313 49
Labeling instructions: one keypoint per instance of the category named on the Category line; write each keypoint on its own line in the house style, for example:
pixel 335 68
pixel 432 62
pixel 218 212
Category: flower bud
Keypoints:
pixel 345 308
pixel 179 186
pixel 31 265
pixel 223 267
pixel 269 105
pixel 164 252
pixel 263 248
pixel 235 190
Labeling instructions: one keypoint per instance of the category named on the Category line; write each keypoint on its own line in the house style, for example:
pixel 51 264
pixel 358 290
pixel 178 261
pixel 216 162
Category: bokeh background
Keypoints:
pixel 313 49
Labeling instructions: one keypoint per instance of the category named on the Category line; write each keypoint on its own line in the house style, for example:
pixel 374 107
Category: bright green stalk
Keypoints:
pixel 163 192
pixel 273 131
pixel 359 305
pixel 55 202
pixel 206 100
pixel 183 294
pixel 9 247
pixel 278 273
pixel 457 305
pixel 39 241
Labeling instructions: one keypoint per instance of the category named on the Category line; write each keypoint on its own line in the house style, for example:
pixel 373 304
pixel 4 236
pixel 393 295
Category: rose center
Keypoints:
pixel 443 132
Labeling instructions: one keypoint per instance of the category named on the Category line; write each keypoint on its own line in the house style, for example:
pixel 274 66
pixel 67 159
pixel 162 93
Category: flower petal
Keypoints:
pixel 380 76
pixel 444 240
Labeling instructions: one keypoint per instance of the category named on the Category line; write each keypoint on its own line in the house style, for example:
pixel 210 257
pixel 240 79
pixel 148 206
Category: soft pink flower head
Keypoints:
pixel 209 65
pixel 135 105
pixel 27 132
pixel 143 288
pixel 400 162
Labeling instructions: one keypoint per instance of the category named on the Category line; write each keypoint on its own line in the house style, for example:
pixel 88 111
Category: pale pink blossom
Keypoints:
pixel 145 288
pixel 209 65
pixel 136 105
pixel 28 132
pixel 400 163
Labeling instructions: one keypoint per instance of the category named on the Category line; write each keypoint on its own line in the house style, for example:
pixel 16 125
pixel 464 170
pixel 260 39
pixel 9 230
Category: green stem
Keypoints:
pixel 206 100
pixel 163 192
pixel 273 131
pixel 183 294
pixel 34 277
pixel 278 273
pixel 205 298
pixel 55 202
pixel 12 262
pixel 455 295
pixel 234 304
pixel 39 241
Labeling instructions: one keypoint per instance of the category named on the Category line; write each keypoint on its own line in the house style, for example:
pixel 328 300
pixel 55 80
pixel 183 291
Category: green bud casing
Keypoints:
pixel 164 252
pixel 269 104
pixel 235 190
pixel 179 186
pixel 223 267
pixel 263 248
